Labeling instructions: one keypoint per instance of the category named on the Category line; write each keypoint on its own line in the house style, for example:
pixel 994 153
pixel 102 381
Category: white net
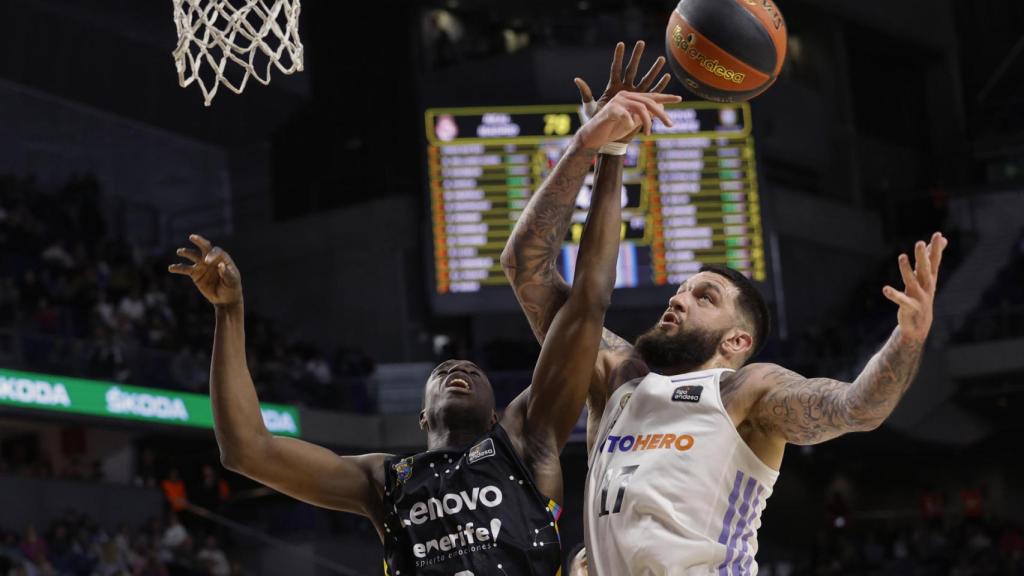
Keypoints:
pixel 225 42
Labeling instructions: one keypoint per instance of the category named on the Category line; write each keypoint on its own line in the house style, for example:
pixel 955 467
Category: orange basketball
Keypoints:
pixel 726 50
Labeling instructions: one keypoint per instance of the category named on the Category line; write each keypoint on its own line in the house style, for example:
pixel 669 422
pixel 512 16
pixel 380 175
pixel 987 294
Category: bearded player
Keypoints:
pixel 686 438
pixel 482 499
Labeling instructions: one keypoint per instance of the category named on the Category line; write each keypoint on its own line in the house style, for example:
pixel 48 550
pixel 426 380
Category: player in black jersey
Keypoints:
pixel 482 499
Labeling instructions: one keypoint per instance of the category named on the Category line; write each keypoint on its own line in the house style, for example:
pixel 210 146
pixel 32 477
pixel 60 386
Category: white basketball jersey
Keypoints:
pixel 673 490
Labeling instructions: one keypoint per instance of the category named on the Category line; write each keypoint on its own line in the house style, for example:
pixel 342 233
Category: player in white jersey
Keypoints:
pixel 686 438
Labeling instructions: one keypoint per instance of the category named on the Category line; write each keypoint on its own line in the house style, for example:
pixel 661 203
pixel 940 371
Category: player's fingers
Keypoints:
pixel 653 97
pixel 183 269
pixel 909 280
pixel 634 63
pixel 899 298
pixel 615 76
pixel 216 256
pixel 662 84
pixel 652 74
pixel 655 104
pixel 189 254
pixel 643 114
pixel 658 111
pixel 585 93
pixel 203 244
pixel 922 266
pixel 228 273
pixel 628 112
pixel 938 246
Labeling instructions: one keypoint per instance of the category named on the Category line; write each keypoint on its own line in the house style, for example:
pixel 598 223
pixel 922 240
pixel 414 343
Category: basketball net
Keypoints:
pixel 240 38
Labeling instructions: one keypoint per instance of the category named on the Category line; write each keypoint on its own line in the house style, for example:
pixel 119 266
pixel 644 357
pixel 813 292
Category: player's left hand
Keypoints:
pixel 626 114
pixel 917 299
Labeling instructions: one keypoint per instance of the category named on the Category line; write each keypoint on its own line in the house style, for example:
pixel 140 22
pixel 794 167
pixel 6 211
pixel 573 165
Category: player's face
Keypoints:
pixel 705 301
pixel 459 389
pixel 698 317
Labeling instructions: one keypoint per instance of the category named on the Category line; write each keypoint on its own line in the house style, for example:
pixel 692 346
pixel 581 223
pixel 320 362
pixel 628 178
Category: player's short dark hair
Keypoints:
pixel 750 302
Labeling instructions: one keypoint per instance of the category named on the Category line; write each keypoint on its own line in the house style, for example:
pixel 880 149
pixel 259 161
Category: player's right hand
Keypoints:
pixel 624 82
pixel 625 115
pixel 212 270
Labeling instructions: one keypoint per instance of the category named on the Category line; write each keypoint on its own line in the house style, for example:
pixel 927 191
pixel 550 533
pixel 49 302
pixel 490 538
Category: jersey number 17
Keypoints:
pixel 615 477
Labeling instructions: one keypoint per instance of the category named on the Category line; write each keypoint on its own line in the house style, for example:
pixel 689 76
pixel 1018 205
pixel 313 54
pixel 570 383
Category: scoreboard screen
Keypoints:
pixel 689 197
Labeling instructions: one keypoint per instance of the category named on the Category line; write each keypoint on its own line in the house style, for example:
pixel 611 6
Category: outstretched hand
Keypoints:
pixel 918 296
pixel 212 270
pixel 625 115
pixel 624 82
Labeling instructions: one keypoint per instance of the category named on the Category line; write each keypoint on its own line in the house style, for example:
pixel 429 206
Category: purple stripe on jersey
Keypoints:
pixel 744 569
pixel 740 527
pixel 729 513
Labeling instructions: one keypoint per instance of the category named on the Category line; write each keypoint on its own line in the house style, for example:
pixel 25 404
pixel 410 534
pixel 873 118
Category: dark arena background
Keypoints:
pixel 332 189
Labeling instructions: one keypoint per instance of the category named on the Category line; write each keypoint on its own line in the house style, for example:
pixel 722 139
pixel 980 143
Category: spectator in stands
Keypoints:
pixel 147 562
pixel 146 473
pixel 213 558
pixel 34 548
pixel 174 489
pixel 191 368
pixel 132 309
pixel 63 276
pixel 111 563
pixel 175 539
pixel 972 502
pixel 213 490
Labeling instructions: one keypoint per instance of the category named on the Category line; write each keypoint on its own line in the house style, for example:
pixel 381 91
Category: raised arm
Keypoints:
pixel 299 469
pixel 531 254
pixel 563 373
pixel 802 410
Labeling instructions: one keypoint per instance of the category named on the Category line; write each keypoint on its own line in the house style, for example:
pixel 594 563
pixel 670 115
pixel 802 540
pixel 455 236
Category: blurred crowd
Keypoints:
pixel 932 542
pixel 75 545
pixel 78 300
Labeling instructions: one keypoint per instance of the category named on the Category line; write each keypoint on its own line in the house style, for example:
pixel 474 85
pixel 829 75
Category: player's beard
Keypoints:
pixel 683 351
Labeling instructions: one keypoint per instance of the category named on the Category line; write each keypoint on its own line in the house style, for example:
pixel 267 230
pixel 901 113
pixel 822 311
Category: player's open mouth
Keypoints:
pixel 670 319
pixel 458 382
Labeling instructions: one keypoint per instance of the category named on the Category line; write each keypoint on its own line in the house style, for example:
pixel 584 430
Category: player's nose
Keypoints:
pixel 678 302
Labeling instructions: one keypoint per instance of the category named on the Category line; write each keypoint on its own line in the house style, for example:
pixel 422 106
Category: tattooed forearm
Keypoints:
pixel 875 393
pixel 812 410
pixel 530 256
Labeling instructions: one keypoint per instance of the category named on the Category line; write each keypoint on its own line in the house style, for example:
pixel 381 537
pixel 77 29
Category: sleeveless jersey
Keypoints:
pixel 673 490
pixel 474 512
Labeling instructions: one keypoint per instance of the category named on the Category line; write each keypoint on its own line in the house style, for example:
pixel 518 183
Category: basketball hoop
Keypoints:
pixel 253 35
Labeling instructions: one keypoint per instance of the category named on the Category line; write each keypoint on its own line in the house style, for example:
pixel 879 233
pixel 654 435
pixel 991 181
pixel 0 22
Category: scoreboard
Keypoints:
pixel 689 198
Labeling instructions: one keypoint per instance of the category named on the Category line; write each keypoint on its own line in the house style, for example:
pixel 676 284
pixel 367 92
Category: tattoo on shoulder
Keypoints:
pixel 613 342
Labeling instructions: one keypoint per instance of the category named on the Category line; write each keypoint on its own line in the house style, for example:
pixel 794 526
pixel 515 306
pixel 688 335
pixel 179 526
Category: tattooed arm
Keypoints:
pixel 530 256
pixel 802 410
pixel 530 265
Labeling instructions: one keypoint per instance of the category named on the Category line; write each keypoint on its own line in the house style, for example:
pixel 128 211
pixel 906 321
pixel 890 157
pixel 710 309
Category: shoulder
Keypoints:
pixel 617 362
pixel 745 389
pixel 513 422
pixel 760 376
pixel 374 466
